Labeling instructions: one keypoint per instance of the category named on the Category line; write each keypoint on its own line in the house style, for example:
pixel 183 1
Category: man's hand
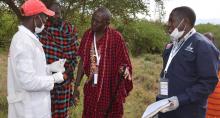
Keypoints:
pixel 58 77
pixel 76 95
pixel 125 72
pixel 57 66
pixel 173 106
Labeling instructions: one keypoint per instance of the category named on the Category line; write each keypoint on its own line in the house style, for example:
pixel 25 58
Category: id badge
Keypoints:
pixel 164 86
pixel 95 76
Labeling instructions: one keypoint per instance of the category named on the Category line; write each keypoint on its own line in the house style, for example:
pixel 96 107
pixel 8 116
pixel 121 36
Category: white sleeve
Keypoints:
pixel 28 78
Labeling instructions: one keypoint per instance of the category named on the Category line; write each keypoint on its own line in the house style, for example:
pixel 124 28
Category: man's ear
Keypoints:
pixel 187 23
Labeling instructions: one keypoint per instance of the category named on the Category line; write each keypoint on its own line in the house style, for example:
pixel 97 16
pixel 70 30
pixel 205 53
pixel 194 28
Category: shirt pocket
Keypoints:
pixel 188 56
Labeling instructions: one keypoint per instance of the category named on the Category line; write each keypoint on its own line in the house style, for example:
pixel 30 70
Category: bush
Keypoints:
pixel 141 36
pixel 144 37
pixel 8 26
pixel 215 29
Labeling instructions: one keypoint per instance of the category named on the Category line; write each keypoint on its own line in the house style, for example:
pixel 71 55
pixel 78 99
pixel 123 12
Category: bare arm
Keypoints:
pixel 80 73
pixel 79 76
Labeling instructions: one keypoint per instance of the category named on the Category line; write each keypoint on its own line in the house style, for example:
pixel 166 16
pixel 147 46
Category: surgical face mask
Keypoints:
pixel 39 29
pixel 176 34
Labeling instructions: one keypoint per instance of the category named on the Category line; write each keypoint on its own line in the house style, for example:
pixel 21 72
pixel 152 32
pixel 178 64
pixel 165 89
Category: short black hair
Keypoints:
pixel 186 13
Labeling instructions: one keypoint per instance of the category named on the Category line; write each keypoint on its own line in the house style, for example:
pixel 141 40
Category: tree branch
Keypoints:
pixel 12 6
pixel 83 10
pixel 70 3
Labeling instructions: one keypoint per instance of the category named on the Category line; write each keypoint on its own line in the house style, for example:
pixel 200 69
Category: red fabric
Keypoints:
pixel 59 41
pixel 113 55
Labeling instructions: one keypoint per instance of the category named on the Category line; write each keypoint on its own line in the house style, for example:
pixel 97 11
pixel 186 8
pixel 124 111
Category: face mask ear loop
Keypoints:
pixel 35 25
pixel 184 28
pixel 40 20
pixel 180 24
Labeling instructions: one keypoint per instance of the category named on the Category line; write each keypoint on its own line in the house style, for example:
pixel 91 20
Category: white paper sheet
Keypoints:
pixel 155 107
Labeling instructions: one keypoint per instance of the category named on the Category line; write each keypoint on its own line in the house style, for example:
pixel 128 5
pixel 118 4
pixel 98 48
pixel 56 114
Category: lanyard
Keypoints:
pixel 173 53
pixel 176 49
pixel 96 51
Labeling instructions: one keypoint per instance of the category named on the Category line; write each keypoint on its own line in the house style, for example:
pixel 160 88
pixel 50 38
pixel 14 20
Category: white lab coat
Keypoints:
pixel 28 83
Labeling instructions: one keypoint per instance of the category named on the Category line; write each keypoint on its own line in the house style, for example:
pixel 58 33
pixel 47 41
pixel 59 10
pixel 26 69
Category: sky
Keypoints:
pixel 207 11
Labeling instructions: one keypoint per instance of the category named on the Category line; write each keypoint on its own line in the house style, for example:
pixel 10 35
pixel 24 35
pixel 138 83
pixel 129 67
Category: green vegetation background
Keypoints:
pixel 145 41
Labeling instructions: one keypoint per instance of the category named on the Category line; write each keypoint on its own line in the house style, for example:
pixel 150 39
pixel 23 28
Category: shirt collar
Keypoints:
pixel 190 33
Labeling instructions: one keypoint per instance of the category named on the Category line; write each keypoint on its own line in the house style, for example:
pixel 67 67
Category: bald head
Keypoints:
pixel 104 12
pixel 100 19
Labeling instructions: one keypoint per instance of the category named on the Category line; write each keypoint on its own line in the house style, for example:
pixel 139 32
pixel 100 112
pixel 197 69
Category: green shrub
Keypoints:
pixel 8 26
pixel 144 37
pixel 3 107
pixel 215 29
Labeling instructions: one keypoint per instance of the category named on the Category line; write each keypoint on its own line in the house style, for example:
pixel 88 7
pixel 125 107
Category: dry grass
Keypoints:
pixel 3 75
pixel 146 71
pixel 3 84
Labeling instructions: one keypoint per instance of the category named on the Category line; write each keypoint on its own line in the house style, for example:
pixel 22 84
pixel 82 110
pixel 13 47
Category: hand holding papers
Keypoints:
pixel 173 106
pixel 57 66
pixel 156 107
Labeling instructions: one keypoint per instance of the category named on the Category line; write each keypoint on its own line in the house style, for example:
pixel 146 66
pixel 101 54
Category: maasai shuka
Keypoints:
pixel 59 41
pixel 113 54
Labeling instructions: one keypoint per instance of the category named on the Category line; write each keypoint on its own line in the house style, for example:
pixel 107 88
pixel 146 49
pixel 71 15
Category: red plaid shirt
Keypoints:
pixel 59 41
pixel 113 55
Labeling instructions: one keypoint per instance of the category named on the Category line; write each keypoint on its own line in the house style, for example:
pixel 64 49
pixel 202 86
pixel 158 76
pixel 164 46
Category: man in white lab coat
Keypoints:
pixel 29 78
